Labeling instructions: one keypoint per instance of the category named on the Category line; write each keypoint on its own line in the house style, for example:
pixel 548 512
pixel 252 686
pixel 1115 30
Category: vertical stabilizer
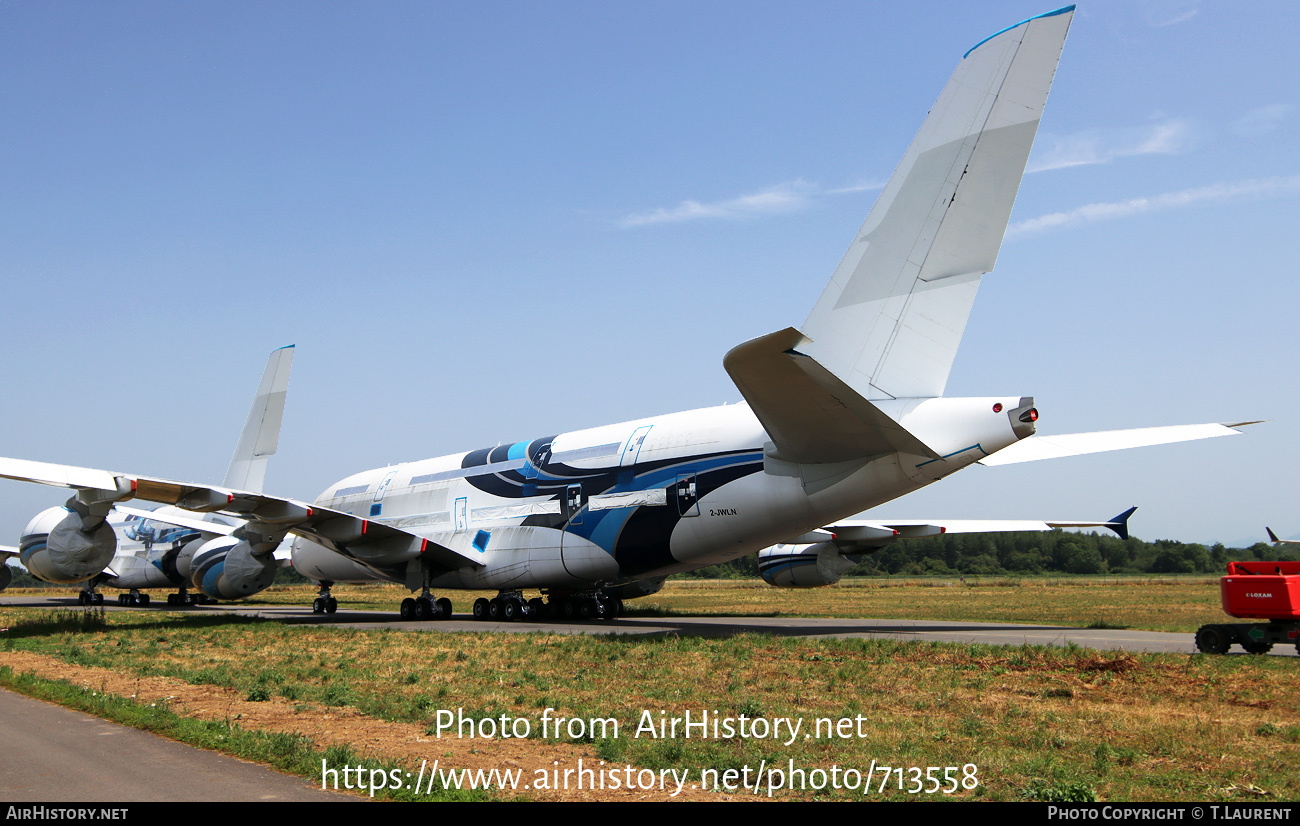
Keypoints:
pixel 891 318
pixel 261 435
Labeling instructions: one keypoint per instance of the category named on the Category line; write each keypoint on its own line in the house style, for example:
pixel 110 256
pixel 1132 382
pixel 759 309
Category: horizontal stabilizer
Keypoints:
pixel 1038 447
pixel 811 416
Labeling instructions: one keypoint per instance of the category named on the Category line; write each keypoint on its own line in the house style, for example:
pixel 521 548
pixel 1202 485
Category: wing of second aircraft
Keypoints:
pixel 363 540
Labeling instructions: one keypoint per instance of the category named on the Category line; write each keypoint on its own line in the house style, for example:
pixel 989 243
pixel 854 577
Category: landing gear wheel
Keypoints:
pixel 144 599
pixel 570 610
pixel 537 609
pixel 318 606
pixel 587 609
pixel 408 609
pixel 481 608
pixel 444 608
pixel 423 609
pixel 613 608
pixel 495 609
pixel 509 610
pixel 121 599
pixel 1212 639
pixel 331 605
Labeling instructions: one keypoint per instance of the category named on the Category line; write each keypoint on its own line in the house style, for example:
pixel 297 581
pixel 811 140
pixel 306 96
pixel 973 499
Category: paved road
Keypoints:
pixel 55 755
pixel 993 633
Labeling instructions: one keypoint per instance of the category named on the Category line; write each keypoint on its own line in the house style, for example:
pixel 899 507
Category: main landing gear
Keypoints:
pixel 134 598
pixel 89 597
pixel 325 603
pixel 184 597
pixel 509 606
pixel 425 607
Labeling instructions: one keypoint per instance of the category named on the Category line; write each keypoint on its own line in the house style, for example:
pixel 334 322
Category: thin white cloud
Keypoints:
pixel 854 188
pixel 1096 146
pixel 1181 18
pixel 787 197
pixel 1254 188
pixel 1259 122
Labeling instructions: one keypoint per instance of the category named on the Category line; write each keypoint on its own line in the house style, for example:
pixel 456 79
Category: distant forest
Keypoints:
pixel 1032 553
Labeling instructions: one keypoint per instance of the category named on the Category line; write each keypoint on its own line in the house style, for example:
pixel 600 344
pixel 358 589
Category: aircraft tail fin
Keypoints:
pixel 261 434
pixel 890 320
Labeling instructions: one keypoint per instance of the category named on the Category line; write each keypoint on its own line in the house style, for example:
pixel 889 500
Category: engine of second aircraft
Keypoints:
pixel 803 566
pixel 56 547
pixel 226 568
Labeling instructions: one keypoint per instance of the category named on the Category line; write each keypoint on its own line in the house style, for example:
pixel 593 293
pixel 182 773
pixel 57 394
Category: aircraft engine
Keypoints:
pixel 226 568
pixel 803 566
pixel 639 588
pixel 55 546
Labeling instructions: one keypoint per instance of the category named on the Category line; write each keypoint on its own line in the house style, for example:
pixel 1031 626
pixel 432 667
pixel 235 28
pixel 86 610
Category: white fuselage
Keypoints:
pixel 636 500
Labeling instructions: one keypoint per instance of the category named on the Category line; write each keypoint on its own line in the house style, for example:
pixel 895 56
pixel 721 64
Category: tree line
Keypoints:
pixel 1032 553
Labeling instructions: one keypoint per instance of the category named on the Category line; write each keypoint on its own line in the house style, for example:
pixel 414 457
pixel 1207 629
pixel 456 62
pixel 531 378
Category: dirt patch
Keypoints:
pixel 405 743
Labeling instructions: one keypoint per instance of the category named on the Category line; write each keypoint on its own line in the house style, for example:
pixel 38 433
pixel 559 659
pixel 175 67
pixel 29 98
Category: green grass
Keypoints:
pixel 1037 723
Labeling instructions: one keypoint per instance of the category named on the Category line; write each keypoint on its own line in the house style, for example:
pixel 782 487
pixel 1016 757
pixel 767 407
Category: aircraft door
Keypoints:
pixel 633 447
pixel 573 502
pixel 462 515
pixel 687 495
pixel 377 507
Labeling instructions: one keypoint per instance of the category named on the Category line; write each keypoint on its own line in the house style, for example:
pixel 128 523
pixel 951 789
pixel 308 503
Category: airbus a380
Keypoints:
pixel 840 415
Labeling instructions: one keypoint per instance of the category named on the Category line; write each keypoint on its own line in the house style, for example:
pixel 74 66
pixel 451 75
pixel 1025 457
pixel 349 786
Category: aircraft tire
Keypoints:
pixel 481 608
pixel 408 609
pixel 444 606
pixel 509 610
pixel 331 605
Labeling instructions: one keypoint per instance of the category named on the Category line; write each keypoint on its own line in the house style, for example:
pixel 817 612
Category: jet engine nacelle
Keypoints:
pixel 55 546
pixel 227 568
pixel 803 566
pixel 639 588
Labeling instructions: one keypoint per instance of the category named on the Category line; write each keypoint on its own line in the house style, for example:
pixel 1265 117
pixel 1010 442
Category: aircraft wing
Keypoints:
pixel 363 540
pixel 178 520
pixel 1038 447
pixel 1272 537
pixel 872 534
pixel 7 551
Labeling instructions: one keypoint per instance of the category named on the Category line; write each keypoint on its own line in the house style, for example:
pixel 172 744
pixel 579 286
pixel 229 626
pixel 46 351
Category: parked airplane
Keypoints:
pixel 134 549
pixel 840 416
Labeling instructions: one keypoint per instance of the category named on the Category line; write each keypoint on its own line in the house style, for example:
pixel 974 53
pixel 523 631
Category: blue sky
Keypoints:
pixel 495 221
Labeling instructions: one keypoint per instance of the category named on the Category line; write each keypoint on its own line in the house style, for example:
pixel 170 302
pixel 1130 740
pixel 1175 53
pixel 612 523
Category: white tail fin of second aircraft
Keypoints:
pixel 261 434
pixel 889 322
